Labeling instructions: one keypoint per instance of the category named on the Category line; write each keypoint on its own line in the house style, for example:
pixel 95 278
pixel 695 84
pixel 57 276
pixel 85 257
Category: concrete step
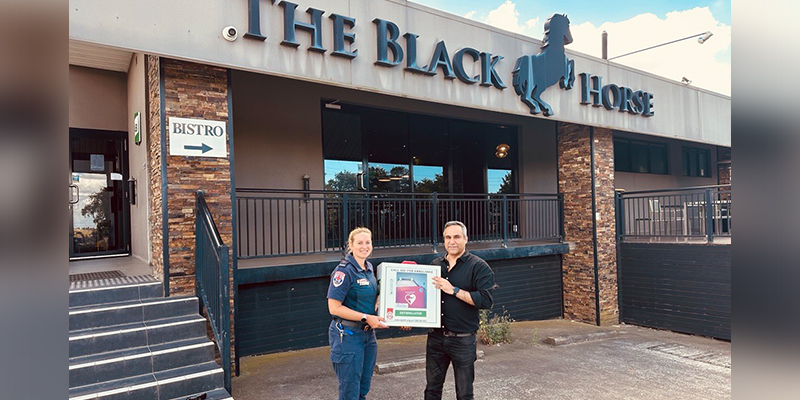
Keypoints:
pixel 139 334
pixel 581 338
pixel 115 294
pixel 170 384
pixel 119 364
pixel 101 315
pixel 388 367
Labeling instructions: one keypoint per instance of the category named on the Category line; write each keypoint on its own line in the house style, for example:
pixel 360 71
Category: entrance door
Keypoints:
pixel 99 208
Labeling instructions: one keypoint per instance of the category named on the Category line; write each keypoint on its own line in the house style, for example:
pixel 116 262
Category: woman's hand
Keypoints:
pixel 405 328
pixel 376 322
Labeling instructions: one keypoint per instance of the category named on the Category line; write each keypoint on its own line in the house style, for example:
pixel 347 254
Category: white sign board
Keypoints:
pixel 407 295
pixel 197 137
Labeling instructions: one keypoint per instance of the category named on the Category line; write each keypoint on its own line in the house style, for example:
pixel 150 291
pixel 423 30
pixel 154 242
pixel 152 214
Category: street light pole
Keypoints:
pixel 702 39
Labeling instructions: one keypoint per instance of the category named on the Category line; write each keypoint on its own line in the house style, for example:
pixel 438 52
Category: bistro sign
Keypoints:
pixel 391 53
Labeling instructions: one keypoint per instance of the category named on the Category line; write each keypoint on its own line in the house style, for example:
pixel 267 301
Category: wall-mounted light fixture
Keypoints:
pixel 686 81
pixel 333 105
pixel 132 190
pixel 307 186
pixel 502 150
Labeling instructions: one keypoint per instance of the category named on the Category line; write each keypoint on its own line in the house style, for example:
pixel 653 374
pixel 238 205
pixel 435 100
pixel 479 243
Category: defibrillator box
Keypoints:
pixel 407 295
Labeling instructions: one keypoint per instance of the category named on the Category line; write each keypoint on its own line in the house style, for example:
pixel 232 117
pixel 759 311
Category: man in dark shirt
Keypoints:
pixel 466 285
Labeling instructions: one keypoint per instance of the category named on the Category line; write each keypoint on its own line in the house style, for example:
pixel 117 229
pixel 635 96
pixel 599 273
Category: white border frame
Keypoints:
pixel 387 273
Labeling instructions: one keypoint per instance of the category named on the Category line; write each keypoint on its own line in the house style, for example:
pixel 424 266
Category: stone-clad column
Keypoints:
pixel 589 271
pixel 187 90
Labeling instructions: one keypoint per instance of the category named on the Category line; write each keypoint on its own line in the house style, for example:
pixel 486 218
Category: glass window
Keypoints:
pixel 385 177
pixel 341 175
pixel 622 155
pixel 499 181
pixel 658 159
pixel 429 179
pixel 640 156
pixel 696 162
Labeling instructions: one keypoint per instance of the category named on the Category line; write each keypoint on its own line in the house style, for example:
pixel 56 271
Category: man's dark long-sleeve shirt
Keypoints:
pixel 474 275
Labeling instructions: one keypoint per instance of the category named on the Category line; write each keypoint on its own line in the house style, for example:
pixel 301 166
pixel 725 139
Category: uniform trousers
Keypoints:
pixel 353 358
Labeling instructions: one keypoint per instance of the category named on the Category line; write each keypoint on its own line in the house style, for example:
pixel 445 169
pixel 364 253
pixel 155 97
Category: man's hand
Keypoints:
pixel 443 284
pixel 404 328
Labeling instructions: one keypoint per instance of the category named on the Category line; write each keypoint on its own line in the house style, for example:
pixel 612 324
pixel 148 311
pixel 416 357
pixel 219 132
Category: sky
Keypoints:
pixel 631 26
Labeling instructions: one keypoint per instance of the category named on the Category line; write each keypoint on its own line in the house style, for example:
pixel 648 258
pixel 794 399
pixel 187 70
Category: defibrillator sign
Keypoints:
pixel 407 297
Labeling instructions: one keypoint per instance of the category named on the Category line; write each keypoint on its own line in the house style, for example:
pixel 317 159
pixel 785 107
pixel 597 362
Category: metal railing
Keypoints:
pixel 291 222
pixel 213 284
pixel 692 212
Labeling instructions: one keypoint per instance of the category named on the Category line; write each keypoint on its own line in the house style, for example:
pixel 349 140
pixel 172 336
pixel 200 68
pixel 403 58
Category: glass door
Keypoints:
pixel 99 210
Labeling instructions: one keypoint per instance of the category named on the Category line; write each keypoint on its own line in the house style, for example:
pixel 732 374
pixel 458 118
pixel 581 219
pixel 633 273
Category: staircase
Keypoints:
pixel 128 342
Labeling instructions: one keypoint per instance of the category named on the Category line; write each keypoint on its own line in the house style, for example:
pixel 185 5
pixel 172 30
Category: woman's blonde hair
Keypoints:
pixel 353 234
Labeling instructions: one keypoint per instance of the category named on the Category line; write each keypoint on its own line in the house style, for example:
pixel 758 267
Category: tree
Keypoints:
pixel 507 187
pixel 342 181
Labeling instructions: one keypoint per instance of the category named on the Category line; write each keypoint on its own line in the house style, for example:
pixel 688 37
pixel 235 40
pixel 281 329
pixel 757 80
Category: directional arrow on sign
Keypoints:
pixel 205 148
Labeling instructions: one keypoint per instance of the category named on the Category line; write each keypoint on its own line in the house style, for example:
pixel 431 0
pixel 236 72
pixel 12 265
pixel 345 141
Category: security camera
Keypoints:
pixel 702 39
pixel 230 33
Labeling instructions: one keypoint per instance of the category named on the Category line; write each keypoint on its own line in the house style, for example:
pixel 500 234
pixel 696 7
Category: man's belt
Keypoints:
pixel 362 326
pixel 446 333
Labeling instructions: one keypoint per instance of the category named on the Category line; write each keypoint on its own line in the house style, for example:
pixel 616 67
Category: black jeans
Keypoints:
pixel 439 352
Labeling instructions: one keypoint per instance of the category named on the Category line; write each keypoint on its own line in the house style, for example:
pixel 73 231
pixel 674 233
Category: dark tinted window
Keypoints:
pixel 696 162
pixel 640 156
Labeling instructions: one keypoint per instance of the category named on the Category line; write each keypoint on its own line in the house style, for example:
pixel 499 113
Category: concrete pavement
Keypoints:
pixel 584 362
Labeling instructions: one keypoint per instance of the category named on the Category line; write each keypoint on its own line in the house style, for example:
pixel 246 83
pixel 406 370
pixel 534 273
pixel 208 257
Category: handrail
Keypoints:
pixel 700 212
pixel 682 189
pixel 213 281
pixel 276 222
pixel 399 194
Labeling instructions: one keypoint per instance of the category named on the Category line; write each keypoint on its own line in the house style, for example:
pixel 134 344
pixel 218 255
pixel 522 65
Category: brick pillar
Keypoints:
pixel 590 268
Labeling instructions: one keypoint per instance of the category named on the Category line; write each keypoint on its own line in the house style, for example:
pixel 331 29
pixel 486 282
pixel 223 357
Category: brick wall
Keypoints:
pixel 575 183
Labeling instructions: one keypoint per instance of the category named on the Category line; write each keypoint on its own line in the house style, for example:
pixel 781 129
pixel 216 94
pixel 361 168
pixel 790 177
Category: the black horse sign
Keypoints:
pixel 533 74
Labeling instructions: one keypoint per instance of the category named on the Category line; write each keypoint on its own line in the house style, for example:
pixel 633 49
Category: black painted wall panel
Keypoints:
pixel 289 315
pixel 680 287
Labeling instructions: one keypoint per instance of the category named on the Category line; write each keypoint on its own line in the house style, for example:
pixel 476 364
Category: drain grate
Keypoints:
pixel 94 276
pixel 708 357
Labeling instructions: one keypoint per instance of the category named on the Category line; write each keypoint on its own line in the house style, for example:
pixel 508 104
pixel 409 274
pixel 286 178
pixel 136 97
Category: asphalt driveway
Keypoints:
pixel 621 362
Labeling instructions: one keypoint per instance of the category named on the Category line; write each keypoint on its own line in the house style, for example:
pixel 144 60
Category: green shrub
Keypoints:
pixel 494 330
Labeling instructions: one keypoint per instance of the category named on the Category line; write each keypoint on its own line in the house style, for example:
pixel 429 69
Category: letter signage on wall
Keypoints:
pixel 197 138
pixel 531 76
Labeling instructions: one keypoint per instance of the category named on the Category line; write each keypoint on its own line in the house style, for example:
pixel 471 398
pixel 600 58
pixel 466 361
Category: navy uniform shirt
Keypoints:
pixel 355 288
pixel 473 274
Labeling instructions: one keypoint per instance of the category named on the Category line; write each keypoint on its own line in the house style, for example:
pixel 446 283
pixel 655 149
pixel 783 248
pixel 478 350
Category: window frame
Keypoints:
pixel 650 145
pixel 689 151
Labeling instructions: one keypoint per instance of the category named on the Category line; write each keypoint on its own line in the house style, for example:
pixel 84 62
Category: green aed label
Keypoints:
pixel 410 313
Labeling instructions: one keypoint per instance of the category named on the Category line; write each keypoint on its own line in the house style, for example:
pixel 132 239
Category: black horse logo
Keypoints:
pixel 533 74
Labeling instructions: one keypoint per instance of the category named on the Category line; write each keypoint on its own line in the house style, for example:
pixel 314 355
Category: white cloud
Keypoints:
pixel 506 17
pixel 708 65
pixel 687 58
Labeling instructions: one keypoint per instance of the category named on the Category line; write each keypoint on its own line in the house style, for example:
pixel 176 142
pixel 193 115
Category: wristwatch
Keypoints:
pixel 455 290
pixel 364 317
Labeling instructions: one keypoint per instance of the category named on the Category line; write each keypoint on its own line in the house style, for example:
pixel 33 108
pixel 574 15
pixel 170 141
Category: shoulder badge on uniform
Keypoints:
pixel 338 278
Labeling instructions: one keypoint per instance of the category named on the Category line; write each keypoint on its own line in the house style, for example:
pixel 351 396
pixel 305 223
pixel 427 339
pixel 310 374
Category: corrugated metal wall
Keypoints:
pixel 680 287
pixel 289 315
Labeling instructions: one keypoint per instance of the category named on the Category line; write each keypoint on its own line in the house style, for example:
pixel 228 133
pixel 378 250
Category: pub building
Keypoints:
pixel 227 155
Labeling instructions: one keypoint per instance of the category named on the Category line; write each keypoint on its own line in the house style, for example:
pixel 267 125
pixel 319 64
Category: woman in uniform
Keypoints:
pixel 352 301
